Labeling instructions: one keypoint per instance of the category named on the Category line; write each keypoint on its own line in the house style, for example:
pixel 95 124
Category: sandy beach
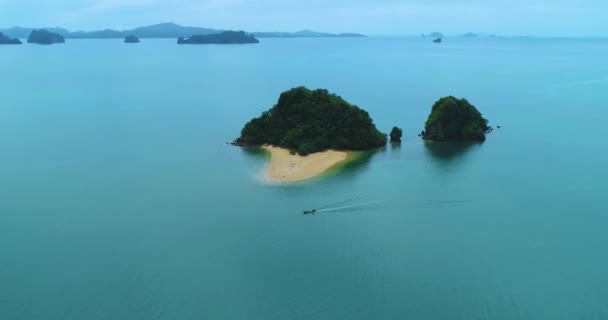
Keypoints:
pixel 285 167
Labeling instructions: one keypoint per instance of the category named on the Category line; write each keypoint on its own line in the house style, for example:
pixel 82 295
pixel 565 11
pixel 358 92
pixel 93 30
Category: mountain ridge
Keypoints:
pixel 162 31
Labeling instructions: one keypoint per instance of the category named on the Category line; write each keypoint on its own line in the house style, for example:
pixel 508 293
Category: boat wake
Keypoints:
pixel 359 205
pixel 340 203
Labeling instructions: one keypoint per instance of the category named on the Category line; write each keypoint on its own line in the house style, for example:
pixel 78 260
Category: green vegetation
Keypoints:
pixel 309 121
pixel 396 134
pixel 455 120
pixel 226 37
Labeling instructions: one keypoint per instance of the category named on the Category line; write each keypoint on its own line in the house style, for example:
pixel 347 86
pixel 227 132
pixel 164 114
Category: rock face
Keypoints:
pixel 396 134
pixel 226 37
pixel 45 37
pixel 6 40
pixel 309 121
pixel 453 119
pixel 131 39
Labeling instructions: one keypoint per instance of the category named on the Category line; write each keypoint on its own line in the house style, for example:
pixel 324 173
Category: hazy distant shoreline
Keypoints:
pixel 167 31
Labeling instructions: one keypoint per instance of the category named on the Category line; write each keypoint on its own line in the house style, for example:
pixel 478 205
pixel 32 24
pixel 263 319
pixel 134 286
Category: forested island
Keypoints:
pixel 131 39
pixel 453 119
pixel 226 37
pixel 45 37
pixel 6 40
pixel 308 121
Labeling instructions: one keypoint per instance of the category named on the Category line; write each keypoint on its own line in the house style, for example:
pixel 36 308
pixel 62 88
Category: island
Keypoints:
pixel 6 40
pixel 226 37
pixel 307 34
pixel 396 134
pixel 433 35
pixel 131 39
pixel 453 119
pixel 309 131
pixel 43 36
pixel 438 40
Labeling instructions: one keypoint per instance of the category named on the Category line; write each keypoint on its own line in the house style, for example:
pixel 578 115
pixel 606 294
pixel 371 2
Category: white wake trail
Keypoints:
pixel 352 206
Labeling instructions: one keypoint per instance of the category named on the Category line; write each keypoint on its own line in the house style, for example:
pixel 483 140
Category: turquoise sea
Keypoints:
pixel 119 198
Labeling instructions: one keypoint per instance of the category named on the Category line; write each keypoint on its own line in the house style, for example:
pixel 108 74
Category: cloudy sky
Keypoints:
pixel 374 17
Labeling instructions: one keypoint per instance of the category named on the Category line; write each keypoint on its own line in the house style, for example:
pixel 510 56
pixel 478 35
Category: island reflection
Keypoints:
pixel 445 153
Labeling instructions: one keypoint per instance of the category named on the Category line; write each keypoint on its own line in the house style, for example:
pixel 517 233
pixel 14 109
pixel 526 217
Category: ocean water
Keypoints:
pixel 119 198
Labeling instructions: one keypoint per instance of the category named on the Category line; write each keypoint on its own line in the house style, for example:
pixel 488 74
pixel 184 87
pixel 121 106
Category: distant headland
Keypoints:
pixel 310 122
pixel 226 37
pixel 6 40
pixel 163 31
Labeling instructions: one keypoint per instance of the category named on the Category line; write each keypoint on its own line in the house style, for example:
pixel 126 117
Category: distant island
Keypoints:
pixel 479 35
pixel 45 37
pixel 312 123
pixel 6 40
pixel 453 119
pixel 226 37
pixel 433 35
pixel 162 31
pixel 306 34
pixel 131 39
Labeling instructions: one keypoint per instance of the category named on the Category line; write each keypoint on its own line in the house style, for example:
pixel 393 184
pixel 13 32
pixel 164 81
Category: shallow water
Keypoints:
pixel 120 199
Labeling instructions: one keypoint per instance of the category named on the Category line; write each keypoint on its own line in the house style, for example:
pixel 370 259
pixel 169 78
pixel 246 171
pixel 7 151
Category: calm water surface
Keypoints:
pixel 119 198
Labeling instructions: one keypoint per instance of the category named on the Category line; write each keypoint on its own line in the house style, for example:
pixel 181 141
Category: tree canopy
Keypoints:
pixel 309 121
pixel 453 119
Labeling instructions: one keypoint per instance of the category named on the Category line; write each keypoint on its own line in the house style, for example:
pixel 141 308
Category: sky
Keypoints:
pixel 372 17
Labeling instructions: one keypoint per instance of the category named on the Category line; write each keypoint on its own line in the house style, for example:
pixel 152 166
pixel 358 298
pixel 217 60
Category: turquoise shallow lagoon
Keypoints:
pixel 119 198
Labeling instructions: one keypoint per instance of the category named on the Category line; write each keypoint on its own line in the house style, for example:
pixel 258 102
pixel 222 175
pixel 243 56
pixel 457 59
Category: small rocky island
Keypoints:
pixel 226 37
pixel 396 134
pixel 6 40
pixel 131 39
pixel 453 119
pixel 308 121
pixel 45 37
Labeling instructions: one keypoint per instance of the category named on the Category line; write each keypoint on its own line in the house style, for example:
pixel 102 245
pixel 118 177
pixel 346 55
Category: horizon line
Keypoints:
pixel 459 35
